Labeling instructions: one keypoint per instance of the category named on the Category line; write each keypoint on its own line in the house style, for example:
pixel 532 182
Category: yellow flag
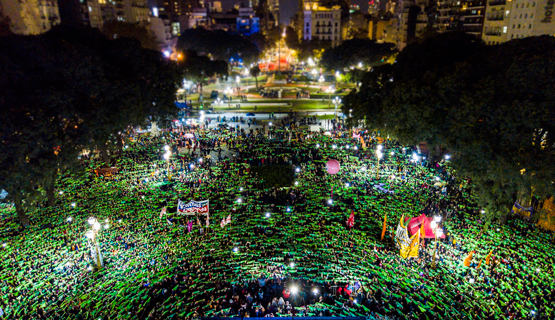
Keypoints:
pixel 414 245
pixel 489 257
pixel 468 259
pixel 384 224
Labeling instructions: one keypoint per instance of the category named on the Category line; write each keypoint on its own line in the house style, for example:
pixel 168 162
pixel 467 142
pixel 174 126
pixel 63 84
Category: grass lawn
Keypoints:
pixel 297 105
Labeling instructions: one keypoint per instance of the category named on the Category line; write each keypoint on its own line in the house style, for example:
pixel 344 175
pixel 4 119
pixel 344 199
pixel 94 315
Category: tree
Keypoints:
pixel 261 41
pixel 312 49
pixel 5 26
pixel 119 29
pixel 355 51
pixel 490 106
pixel 70 90
pixel 255 72
pixel 292 38
pixel 357 33
pixel 218 45
pixel 201 67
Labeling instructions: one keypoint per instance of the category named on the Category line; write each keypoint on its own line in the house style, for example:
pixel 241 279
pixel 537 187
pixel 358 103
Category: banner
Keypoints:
pixel 351 220
pixel 401 235
pixel 408 247
pixel 414 246
pixel 192 207
pixel 524 212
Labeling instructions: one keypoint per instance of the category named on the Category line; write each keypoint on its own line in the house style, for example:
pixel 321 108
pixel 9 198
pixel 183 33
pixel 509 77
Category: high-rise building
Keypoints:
pixel 177 8
pixel 247 22
pixel 323 23
pixel 471 19
pixel 91 13
pixel 30 17
pixel 497 21
pixel 273 6
pixel 447 15
pixel 507 20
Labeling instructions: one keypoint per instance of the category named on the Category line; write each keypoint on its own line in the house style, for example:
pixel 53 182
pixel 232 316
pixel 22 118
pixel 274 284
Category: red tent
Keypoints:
pixel 415 223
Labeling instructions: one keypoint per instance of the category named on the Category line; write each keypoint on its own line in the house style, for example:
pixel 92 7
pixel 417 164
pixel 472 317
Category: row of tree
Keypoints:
pixel 218 45
pixel 491 106
pixel 68 91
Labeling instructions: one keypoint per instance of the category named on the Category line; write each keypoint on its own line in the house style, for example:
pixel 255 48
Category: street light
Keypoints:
pixel 437 233
pixel 279 50
pixel 238 80
pixel 329 91
pixel 92 236
pixel 227 92
pixel 167 157
pixel 379 155
pixel 336 101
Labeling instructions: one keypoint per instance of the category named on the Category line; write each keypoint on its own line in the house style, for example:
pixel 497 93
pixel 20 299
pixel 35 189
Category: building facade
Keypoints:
pixel 323 23
pixel 31 17
pixel 516 19
pixel 496 21
pixel 247 22
pixel 447 15
pixel 472 17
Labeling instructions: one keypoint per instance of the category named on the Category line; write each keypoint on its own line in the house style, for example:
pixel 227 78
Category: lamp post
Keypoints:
pixel 379 155
pixel 279 50
pixel 238 80
pixel 228 94
pixel 167 157
pixel 92 235
pixel 438 232
pixel 336 101
pixel 328 90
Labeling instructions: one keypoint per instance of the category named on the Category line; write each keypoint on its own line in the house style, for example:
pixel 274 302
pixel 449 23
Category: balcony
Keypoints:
pixel 495 17
pixel 496 33
pixel 497 2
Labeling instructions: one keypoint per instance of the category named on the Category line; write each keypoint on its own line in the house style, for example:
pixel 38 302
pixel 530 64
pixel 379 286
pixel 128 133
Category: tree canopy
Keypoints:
pixel 70 90
pixel 200 67
pixel 491 106
pixel 354 51
pixel 219 45
pixel 119 29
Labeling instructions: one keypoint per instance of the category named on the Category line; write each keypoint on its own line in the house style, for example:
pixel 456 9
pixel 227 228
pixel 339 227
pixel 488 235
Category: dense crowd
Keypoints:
pixel 287 251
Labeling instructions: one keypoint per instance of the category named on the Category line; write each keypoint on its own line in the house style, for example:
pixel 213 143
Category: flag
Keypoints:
pixel 351 221
pixel 225 221
pixel 169 222
pixel 479 264
pixel 384 226
pixel 488 257
pixel 468 259
pixel 207 220
pixel 422 232
pixel 192 207
pixel 190 226
pixel 163 212
pixel 413 248
pixel 198 222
